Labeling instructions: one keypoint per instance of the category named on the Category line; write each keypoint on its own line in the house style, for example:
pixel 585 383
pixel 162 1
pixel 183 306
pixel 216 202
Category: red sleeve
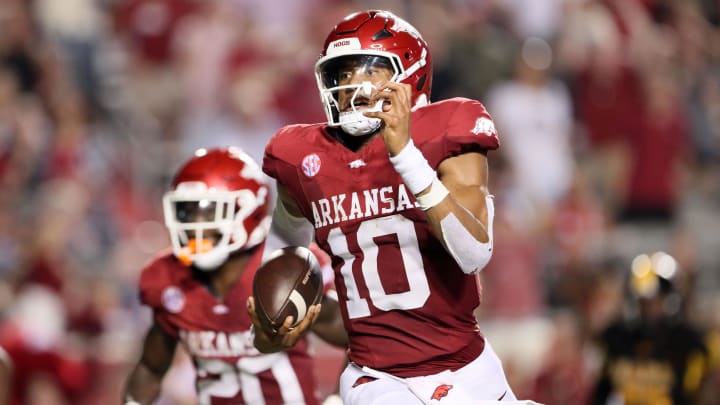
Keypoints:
pixel 154 280
pixel 272 163
pixel 468 128
pixel 281 150
pixel 162 319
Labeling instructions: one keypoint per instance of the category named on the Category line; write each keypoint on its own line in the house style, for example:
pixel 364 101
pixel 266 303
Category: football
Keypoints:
pixel 286 284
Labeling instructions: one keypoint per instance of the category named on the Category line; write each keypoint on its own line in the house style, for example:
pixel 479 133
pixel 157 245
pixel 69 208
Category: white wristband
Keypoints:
pixel 434 196
pixel 414 169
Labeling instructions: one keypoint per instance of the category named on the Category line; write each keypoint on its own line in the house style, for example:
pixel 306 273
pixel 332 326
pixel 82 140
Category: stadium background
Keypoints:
pixel 608 113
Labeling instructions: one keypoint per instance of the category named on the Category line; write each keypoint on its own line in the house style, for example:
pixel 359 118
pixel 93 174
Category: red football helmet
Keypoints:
pixel 218 204
pixel 380 38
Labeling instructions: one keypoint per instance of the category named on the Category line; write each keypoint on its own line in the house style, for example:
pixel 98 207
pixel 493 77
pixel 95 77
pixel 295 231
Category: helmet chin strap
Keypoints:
pixel 355 123
pixel 210 260
pixel 358 124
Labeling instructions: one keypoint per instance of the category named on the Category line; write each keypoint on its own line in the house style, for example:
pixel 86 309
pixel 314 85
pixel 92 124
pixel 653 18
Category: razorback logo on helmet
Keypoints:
pixel 441 391
pixel 402 25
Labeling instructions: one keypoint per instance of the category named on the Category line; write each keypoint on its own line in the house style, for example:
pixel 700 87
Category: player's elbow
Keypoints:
pixel 329 325
pixel 473 262
pixel 332 332
pixel 470 254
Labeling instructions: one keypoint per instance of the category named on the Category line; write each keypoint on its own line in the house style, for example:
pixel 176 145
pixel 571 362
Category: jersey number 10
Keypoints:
pixel 412 263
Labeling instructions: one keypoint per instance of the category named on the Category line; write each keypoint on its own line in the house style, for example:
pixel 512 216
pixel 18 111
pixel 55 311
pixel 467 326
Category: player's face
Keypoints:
pixel 372 74
pixel 197 211
pixel 355 70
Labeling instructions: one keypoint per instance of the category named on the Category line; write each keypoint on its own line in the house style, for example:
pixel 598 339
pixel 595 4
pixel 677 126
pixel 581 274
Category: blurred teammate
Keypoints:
pixel 216 214
pixel 394 189
pixel 46 364
pixel 653 356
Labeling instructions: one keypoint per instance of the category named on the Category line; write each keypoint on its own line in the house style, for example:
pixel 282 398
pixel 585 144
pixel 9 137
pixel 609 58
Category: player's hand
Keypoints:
pixel 395 114
pixel 286 336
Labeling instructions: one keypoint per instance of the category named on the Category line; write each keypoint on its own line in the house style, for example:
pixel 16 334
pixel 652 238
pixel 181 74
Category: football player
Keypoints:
pixel 217 216
pixel 394 189
pixel 652 355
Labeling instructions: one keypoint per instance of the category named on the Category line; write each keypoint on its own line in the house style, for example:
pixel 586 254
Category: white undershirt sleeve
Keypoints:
pixel 287 230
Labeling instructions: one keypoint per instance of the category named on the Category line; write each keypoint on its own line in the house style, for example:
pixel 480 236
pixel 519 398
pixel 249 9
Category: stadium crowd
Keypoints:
pixel 609 119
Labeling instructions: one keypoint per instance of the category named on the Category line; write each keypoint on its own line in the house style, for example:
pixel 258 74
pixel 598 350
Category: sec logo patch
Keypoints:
pixel 173 299
pixel 311 165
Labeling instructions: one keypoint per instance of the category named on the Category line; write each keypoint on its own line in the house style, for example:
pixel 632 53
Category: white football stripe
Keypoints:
pixel 299 303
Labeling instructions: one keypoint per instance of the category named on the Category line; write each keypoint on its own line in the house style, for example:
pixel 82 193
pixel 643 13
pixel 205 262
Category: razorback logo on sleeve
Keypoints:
pixel 441 391
pixel 484 125
pixel 363 380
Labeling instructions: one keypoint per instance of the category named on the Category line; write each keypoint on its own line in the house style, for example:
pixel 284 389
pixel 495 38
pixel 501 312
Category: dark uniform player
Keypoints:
pixel 653 357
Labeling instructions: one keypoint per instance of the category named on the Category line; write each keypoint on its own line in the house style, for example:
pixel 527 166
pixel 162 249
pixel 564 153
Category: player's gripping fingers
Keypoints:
pixel 398 100
pixel 400 93
pixel 396 118
pixel 289 335
pixel 397 97
pixel 251 312
pixel 261 340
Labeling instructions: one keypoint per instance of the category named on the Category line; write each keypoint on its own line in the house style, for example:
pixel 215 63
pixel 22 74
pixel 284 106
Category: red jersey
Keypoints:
pixel 406 304
pixel 216 333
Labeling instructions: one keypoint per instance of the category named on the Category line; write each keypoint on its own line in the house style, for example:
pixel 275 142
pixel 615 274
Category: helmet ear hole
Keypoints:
pixel 420 83
pixel 382 34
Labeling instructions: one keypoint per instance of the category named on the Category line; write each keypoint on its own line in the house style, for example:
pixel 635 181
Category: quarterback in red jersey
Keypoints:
pixel 394 189
pixel 217 217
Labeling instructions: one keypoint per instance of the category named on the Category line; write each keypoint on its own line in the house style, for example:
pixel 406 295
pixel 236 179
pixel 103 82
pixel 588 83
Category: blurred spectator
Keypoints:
pixel 534 18
pixel 76 28
pixel 533 113
pixel 49 367
pixel 16 50
pixel 147 29
pixel 479 50
pixel 512 286
pixel 564 376
pixel 577 234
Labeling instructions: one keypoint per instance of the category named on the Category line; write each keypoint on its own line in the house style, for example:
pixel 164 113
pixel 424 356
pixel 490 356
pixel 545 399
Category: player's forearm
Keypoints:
pixel 456 218
pixel 329 326
pixel 333 333
pixel 454 205
pixel 463 235
pixel 143 386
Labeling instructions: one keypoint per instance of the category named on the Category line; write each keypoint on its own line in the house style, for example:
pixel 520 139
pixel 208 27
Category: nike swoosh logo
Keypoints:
pixel 502 396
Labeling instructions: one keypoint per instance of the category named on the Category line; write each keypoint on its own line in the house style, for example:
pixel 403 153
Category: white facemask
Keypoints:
pixel 354 122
